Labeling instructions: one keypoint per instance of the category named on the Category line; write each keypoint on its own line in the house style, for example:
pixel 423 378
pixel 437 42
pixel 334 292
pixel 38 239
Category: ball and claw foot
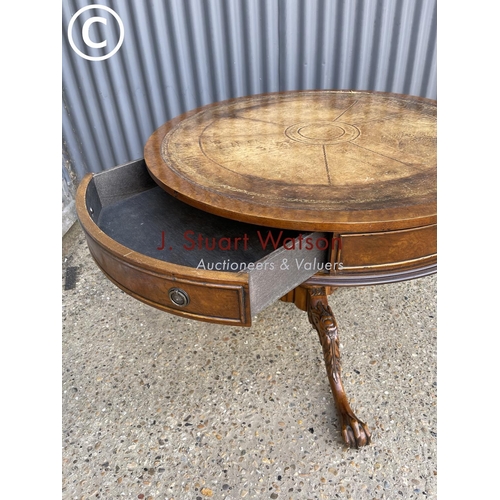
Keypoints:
pixel 354 432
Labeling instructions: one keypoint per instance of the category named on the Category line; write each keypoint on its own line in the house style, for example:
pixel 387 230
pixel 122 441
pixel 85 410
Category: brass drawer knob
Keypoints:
pixel 179 297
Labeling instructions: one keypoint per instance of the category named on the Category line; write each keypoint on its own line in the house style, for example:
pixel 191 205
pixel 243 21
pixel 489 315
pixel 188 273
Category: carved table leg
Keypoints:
pixel 354 432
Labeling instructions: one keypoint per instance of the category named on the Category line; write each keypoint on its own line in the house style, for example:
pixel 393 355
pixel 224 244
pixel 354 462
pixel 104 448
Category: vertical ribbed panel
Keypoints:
pixel 181 54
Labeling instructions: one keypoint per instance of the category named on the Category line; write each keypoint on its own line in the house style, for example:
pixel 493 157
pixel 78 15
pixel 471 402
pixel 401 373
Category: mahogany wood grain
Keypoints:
pixel 219 296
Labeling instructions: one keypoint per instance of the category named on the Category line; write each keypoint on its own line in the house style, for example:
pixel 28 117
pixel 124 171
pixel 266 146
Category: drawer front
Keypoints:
pixel 405 248
pixel 179 294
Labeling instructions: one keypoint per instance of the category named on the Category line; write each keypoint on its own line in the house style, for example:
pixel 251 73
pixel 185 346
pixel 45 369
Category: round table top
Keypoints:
pixel 304 160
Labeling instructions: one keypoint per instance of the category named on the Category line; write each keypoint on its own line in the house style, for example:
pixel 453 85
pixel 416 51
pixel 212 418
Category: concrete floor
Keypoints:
pixel 160 407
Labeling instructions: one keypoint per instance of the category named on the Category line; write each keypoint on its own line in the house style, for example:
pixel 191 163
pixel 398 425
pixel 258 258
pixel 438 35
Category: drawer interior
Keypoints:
pixel 135 212
pixel 148 242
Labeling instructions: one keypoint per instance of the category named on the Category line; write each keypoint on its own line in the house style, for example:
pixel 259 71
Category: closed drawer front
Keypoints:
pixel 185 261
pixel 388 249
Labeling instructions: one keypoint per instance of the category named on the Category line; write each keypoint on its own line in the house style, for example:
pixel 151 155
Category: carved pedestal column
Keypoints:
pixel 354 432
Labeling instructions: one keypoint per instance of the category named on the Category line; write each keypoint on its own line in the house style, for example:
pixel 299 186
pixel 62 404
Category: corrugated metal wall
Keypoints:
pixel 180 54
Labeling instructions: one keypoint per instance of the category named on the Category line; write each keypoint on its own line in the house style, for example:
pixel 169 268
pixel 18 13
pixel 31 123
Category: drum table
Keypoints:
pixel 275 196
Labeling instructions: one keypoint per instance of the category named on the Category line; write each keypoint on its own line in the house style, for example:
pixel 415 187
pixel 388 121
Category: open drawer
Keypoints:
pixel 185 261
